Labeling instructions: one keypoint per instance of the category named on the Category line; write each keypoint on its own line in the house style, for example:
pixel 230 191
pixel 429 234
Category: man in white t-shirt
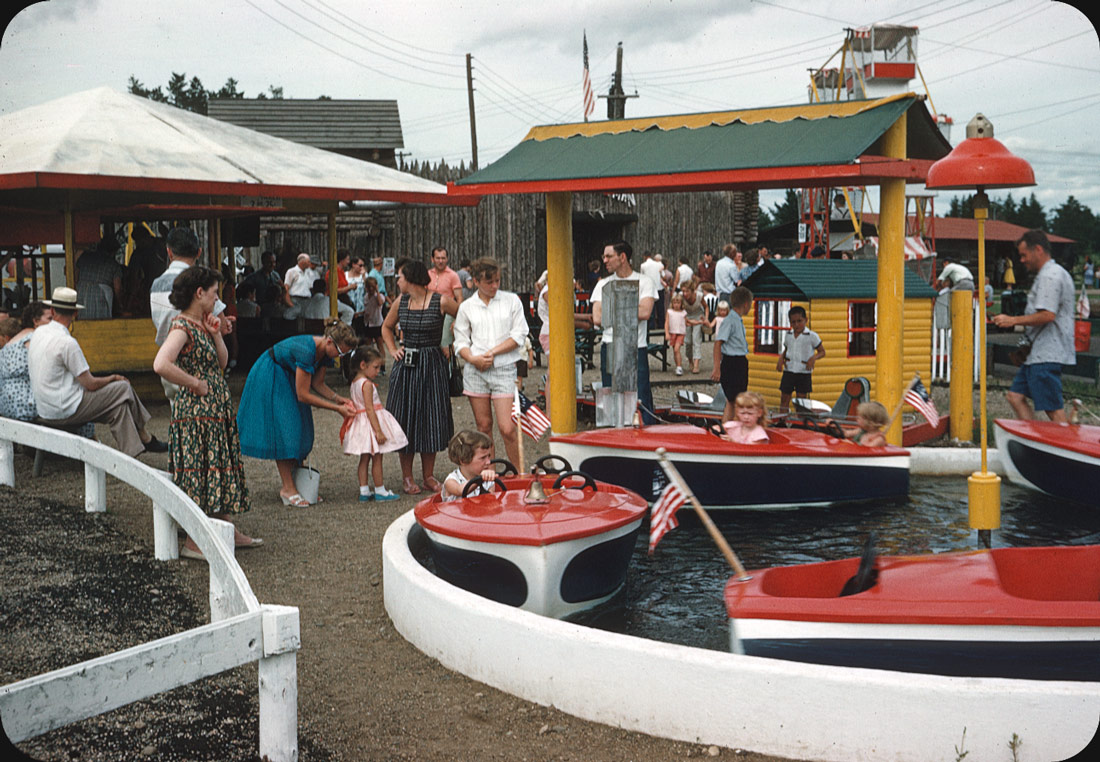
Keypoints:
pixel 616 258
pixel 299 282
pixel 65 391
pixel 651 266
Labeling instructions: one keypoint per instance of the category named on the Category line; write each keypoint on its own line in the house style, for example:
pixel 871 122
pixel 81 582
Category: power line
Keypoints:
pixel 1020 55
pixel 368 32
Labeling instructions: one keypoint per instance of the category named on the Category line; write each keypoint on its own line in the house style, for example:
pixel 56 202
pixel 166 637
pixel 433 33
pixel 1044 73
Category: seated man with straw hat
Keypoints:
pixel 65 391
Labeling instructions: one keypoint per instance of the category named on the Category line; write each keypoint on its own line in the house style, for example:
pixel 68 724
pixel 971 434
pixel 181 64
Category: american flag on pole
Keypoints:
pixel 529 416
pixel 918 397
pixel 663 516
pixel 589 99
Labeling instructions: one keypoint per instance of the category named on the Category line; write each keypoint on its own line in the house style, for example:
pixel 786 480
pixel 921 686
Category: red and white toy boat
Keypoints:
pixel 1027 613
pixel 1061 459
pixel 796 467
pixel 557 549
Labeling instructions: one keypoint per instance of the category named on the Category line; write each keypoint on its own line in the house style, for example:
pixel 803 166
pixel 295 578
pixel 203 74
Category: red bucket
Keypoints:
pixel 1082 333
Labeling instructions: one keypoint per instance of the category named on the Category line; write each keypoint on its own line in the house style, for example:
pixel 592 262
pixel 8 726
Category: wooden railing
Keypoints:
pixel 241 630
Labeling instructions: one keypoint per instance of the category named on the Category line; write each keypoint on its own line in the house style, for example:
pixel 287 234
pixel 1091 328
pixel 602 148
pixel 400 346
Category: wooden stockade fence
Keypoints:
pixel 511 228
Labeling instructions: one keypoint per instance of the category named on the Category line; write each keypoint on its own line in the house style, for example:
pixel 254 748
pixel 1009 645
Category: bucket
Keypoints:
pixel 1082 334
pixel 307 480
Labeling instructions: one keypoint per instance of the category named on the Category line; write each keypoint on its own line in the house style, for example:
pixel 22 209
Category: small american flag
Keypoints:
pixel 663 516
pixel 589 99
pixel 529 416
pixel 918 397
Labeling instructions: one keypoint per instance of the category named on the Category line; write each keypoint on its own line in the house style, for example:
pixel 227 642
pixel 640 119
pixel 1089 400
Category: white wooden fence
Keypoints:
pixel 941 352
pixel 241 630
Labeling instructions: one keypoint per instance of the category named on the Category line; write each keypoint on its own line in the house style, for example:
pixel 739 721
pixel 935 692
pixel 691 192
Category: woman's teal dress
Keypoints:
pixel 274 425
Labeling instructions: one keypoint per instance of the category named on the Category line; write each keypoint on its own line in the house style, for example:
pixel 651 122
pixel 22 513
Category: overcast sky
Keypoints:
pixel 1031 66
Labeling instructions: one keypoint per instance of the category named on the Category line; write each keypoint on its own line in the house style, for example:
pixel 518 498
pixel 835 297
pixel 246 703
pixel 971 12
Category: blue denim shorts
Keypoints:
pixel 1041 382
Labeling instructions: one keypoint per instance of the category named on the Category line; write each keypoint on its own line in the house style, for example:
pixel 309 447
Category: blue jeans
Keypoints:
pixel 645 392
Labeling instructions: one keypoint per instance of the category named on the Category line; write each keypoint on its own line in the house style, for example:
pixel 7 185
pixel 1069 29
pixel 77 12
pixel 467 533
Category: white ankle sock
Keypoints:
pixel 382 491
pixel 365 489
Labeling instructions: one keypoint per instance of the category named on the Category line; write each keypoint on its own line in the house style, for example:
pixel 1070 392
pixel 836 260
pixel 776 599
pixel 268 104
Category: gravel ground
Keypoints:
pixel 78 585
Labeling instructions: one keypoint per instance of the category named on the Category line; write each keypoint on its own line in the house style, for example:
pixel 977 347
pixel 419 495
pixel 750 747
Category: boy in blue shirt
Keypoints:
pixel 731 351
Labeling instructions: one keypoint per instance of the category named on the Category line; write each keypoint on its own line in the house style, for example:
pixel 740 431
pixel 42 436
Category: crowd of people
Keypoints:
pixel 438 323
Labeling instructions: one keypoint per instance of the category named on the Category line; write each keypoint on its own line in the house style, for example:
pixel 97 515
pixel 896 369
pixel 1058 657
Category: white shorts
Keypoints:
pixel 497 382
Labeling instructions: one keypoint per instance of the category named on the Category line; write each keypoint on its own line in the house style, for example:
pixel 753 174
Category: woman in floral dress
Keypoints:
pixel 204 455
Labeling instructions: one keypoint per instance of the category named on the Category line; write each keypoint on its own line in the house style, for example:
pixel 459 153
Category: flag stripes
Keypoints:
pixel 663 516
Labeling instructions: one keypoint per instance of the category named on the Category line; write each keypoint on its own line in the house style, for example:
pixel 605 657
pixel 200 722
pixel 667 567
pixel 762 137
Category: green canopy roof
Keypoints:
pixel 815 143
pixel 806 279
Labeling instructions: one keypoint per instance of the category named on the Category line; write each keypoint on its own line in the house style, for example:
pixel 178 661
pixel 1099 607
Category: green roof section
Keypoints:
pixel 793 141
pixel 807 279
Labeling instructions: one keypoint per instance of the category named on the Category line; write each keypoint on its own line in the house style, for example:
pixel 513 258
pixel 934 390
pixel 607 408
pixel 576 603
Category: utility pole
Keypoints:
pixel 473 122
pixel 616 98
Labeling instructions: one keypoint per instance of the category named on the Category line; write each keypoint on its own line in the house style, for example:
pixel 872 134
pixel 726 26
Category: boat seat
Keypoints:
pixel 857 390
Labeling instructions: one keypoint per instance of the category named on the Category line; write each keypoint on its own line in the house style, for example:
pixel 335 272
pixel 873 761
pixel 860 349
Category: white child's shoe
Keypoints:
pixel 679 371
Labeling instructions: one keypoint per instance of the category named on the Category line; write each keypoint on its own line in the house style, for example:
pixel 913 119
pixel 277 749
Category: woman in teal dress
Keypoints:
pixel 275 416
pixel 204 455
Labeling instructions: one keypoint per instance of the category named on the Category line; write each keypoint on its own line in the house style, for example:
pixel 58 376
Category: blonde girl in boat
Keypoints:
pixel 871 419
pixel 749 418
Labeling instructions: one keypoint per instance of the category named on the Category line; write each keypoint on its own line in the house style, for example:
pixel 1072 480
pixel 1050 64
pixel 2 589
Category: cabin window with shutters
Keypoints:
pixel 770 322
pixel 862 319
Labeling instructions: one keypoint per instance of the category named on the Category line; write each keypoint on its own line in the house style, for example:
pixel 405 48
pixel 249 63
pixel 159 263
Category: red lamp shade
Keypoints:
pixel 980 161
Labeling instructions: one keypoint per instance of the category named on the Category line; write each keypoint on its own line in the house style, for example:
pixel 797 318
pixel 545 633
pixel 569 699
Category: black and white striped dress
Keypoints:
pixel 418 396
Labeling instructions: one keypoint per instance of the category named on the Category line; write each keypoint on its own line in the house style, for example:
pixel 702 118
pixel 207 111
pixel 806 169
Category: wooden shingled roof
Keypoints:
pixel 328 124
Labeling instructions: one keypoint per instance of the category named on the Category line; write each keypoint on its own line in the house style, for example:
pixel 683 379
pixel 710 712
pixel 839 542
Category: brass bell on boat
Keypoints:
pixel 536 493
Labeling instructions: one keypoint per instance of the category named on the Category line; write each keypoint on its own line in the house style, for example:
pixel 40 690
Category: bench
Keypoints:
pixel 39 454
pixel 658 350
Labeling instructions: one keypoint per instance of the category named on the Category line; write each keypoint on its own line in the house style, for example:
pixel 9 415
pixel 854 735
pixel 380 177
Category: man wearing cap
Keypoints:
pixel 183 251
pixel 65 391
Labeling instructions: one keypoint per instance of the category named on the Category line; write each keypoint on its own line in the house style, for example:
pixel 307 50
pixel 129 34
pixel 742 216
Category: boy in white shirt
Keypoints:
pixel 802 348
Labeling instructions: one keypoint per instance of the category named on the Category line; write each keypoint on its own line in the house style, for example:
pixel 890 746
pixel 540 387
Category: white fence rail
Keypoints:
pixel 241 630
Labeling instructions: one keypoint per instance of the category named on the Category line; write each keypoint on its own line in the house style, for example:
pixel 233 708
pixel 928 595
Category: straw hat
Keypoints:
pixel 63 298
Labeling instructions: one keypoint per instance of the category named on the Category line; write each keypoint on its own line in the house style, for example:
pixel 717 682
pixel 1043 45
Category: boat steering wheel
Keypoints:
pixel 715 429
pixel 507 468
pixel 588 480
pixel 831 428
pixel 540 464
pixel 478 483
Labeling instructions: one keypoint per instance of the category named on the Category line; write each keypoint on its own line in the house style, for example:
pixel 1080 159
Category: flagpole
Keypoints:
pixel 901 402
pixel 518 408
pixel 715 535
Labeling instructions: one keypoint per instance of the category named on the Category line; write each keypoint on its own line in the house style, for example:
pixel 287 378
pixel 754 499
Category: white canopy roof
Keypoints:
pixel 103 140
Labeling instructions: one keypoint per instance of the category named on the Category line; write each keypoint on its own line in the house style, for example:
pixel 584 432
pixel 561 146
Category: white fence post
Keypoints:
pixel 165 542
pixel 95 489
pixel 220 602
pixel 278 678
pixel 7 463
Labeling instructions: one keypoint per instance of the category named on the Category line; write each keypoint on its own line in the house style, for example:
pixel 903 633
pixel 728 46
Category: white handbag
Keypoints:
pixel 307 480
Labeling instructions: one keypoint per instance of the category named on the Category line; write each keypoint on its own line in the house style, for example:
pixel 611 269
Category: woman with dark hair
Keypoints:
pixel 275 415
pixel 16 397
pixel 419 397
pixel 204 452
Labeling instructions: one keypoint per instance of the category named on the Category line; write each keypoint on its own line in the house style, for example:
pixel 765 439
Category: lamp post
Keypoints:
pixel 981 162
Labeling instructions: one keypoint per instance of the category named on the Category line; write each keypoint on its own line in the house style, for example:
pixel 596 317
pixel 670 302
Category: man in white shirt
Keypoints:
pixel 65 391
pixel 958 277
pixel 616 258
pixel 651 266
pixel 299 282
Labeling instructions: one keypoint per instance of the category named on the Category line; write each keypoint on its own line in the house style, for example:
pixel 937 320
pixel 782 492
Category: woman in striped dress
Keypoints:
pixel 418 396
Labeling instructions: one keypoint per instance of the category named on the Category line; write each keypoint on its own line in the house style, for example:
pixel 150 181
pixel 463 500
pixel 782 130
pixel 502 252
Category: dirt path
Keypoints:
pixel 364 693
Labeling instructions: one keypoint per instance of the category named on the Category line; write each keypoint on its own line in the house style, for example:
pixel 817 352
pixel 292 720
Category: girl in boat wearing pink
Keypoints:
pixel 373 430
pixel 749 417
pixel 471 451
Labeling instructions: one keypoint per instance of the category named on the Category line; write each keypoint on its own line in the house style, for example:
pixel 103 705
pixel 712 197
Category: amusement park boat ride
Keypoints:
pixel 1060 459
pixel 554 544
pixel 794 468
pixel 1026 613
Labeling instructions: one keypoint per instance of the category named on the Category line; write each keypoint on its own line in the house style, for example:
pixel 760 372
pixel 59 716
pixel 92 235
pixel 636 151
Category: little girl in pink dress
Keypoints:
pixel 373 430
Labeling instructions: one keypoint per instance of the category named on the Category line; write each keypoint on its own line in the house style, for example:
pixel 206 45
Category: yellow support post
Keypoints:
pixel 562 384
pixel 962 366
pixel 891 283
pixel 70 250
pixel 332 279
pixel 983 488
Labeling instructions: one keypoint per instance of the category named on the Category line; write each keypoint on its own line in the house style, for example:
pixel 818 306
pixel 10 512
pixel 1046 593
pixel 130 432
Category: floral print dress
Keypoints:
pixel 204 449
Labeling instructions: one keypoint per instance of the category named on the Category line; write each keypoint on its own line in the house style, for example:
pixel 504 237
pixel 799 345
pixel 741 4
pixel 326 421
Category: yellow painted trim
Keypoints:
pixel 716 118
pixel 562 392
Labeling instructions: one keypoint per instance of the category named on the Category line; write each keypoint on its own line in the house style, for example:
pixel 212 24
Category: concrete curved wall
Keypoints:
pixel 774 707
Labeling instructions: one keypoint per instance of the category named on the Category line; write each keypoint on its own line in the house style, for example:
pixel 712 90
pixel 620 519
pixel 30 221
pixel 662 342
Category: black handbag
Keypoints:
pixel 455 382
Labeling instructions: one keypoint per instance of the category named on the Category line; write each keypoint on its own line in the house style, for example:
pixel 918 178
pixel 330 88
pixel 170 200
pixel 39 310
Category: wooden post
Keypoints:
pixel 70 249
pixel 220 603
pixel 165 544
pixel 962 366
pixel 332 279
pixel 889 350
pixel 7 463
pixel 278 682
pixel 562 384
pixel 95 489
pixel 473 121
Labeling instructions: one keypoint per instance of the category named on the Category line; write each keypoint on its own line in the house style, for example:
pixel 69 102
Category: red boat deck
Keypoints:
pixel 685 438
pixel 1051 587
pixel 1081 439
pixel 507 518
